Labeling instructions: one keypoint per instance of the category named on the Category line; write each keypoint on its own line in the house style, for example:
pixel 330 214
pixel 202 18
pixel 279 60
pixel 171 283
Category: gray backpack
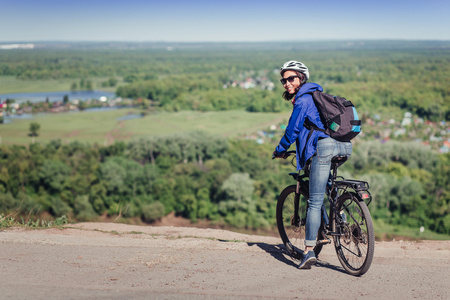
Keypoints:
pixel 338 115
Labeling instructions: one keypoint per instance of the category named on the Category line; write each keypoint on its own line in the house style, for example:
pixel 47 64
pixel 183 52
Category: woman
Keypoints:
pixel 320 148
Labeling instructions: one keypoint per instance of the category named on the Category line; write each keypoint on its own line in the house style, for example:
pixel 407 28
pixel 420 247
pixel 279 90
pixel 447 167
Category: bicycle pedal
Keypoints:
pixel 323 242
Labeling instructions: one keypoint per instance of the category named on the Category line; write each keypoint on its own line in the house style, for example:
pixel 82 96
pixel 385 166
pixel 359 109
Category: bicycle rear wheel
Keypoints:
pixel 355 243
pixel 291 224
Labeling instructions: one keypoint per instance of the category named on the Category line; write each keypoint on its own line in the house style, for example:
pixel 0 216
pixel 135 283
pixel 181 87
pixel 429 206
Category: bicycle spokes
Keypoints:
pixel 355 239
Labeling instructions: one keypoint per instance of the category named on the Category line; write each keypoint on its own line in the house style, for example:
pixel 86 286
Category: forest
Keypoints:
pixel 231 182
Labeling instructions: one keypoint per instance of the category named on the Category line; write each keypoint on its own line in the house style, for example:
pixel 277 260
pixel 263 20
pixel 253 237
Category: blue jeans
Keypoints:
pixel 320 171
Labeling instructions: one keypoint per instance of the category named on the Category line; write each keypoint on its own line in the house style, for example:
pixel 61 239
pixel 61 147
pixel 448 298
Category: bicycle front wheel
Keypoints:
pixel 291 223
pixel 355 243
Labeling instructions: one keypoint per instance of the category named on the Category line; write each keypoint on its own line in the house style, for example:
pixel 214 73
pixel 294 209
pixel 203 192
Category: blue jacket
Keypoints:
pixel 304 107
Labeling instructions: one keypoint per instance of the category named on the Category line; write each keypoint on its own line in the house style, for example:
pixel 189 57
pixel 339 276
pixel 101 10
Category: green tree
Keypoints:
pixel 34 129
pixel 53 175
pixel 112 81
pixel 82 105
pixel 239 187
pixel 83 209
pixel 89 85
pixel 82 83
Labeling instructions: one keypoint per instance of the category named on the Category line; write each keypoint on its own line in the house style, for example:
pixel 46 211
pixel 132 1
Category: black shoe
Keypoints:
pixel 308 260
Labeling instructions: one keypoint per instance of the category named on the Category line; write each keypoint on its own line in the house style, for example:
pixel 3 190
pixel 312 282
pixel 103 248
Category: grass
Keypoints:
pixel 104 128
pixel 385 231
pixel 12 221
pixel 10 85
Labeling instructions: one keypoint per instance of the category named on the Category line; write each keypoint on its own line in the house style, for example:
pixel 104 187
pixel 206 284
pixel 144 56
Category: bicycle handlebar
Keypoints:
pixel 286 154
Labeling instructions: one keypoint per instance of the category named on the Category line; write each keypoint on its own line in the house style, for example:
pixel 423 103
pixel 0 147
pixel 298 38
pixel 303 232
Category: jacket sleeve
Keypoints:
pixel 293 129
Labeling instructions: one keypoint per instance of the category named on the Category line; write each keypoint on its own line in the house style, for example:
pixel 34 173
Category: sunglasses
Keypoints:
pixel 290 79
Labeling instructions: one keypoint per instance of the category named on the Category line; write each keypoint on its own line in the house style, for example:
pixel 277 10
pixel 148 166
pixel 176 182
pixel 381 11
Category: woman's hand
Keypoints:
pixel 275 154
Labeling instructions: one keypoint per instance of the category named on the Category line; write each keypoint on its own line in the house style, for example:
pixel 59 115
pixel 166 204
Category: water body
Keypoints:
pixel 57 96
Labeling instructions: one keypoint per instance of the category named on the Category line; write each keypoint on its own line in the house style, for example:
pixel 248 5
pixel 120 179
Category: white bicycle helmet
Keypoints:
pixel 296 66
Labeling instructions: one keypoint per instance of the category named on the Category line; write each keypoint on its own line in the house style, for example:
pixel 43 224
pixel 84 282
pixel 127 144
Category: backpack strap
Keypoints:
pixel 311 127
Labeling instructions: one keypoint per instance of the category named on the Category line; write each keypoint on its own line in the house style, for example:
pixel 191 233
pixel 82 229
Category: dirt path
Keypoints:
pixel 116 261
pixel 114 134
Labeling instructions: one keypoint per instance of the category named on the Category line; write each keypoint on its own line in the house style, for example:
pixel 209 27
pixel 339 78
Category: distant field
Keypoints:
pixel 105 128
pixel 10 84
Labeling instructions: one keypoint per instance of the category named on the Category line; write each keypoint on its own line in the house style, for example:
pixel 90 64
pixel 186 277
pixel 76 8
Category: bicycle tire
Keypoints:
pixel 293 235
pixel 355 244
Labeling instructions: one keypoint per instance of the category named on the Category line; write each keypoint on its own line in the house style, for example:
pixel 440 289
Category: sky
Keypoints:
pixel 222 21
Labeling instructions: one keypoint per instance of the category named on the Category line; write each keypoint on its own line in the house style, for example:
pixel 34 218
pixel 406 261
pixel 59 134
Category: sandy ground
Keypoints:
pixel 117 261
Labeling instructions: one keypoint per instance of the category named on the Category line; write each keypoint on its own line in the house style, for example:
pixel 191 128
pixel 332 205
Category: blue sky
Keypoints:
pixel 219 21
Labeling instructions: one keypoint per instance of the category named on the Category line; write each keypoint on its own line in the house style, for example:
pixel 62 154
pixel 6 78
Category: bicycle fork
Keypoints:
pixel 296 220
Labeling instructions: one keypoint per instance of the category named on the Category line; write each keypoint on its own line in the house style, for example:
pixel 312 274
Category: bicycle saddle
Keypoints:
pixel 339 160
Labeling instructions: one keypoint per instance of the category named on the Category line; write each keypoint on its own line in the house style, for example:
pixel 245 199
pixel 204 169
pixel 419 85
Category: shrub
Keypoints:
pixel 152 212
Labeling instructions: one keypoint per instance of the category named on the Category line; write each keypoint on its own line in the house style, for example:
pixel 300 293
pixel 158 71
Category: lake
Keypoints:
pixel 57 96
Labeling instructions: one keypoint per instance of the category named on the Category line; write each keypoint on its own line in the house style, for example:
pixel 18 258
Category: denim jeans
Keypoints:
pixel 319 173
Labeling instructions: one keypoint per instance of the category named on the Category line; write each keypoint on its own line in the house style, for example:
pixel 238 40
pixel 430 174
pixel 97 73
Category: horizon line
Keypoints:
pixel 218 42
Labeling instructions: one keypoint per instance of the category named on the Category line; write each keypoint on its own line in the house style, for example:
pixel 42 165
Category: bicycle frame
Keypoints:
pixel 333 190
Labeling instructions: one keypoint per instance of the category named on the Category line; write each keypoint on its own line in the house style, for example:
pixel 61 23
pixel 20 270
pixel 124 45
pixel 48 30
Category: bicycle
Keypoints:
pixel 348 222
